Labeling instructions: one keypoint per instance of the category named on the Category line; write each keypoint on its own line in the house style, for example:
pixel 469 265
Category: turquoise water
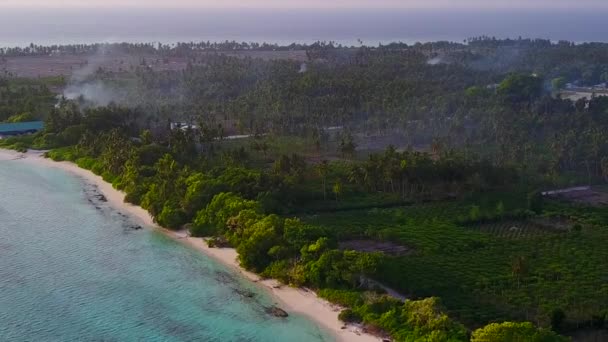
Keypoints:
pixel 74 269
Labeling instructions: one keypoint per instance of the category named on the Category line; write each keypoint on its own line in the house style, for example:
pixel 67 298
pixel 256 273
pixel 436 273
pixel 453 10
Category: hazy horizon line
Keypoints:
pixel 290 9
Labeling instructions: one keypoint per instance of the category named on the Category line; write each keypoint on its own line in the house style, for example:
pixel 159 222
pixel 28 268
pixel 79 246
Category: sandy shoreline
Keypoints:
pixel 294 300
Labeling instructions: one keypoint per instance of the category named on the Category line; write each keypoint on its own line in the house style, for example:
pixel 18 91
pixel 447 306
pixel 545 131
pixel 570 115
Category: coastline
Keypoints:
pixel 293 300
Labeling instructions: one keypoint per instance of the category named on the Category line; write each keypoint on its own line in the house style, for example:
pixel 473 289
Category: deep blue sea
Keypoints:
pixel 19 27
pixel 74 269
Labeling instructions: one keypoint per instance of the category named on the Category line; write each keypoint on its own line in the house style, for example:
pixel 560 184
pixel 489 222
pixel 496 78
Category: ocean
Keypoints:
pixel 19 27
pixel 74 269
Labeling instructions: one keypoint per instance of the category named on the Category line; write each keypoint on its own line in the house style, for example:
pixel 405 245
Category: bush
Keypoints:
pixel 23 117
pixel 509 331
pixel 347 298
pixel 71 135
pixel 171 216
pixel 535 202
pixel 47 141
pixel 350 316
pixel 218 242
pixel 279 270
pixel 85 163
pixel 557 319
pixel 62 154
pixel 475 213
pixel 133 197
pixel 97 168
pixel 203 230
pixel 54 156
pixel 20 147
pixel 598 321
pixel 108 177
pixel 223 206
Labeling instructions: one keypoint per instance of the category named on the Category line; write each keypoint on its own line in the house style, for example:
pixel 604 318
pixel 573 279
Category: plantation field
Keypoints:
pixel 490 272
pixel 523 229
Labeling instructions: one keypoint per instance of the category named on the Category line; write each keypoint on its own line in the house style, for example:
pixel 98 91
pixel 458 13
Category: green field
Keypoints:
pixel 487 272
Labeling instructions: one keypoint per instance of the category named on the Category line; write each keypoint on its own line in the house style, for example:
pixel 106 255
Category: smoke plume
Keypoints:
pixel 85 88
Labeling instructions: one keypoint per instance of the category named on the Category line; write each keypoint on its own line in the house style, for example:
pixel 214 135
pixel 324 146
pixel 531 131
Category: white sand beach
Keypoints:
pixel 290 299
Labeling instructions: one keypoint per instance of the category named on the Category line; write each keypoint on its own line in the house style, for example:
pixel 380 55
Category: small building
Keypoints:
pixel 20 128
pixel 575 94
pixel 184 126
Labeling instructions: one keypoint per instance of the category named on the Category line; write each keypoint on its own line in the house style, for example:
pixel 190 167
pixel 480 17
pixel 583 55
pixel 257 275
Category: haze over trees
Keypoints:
pixel 428 159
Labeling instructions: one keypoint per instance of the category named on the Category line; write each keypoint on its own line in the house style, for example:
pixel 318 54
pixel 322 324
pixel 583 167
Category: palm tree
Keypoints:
pixel 337 189
pixel 404 170
pixel 323 170
pixel 519 268
pixel 604 166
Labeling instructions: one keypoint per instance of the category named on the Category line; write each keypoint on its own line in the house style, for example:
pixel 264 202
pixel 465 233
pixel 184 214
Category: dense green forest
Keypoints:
pixel 25 100
pixel 419 167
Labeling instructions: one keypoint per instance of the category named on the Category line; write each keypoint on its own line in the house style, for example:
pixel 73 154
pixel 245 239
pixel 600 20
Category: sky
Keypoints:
pixel 466 4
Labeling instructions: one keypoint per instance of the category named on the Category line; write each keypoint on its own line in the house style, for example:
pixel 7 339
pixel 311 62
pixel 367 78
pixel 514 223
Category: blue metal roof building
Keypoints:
pixel 19 128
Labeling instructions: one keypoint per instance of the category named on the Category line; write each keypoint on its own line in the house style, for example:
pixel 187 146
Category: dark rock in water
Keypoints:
pixel 136 227
pixel 98 208
pixel 224 277
pixel 276 312
pixel 244 293
pixel 102 198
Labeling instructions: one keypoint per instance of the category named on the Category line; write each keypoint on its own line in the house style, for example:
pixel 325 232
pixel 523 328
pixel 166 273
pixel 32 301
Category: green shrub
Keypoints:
pixel 535 202
pixel 222 207
pixel 203 230
pixel 279 270
pixel 557 319
pixel 97 168
pixel 23 117
pixel 171 216
pixel 48 141
pixel 350 316
pixel 108 177
pixel 71 135
pixel 85 163
pixel 348 298
pixel 134 197
pixel 509 331
pixel 20 147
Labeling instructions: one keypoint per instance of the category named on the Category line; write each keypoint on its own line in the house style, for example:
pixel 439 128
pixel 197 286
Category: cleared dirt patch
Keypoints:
pixel 370 246
pixel 556 223
pixel 583 195
pixel 66 65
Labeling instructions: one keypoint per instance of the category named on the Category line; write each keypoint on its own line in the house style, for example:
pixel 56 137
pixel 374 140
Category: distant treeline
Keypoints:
pixel 502 95
pixel 177 49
